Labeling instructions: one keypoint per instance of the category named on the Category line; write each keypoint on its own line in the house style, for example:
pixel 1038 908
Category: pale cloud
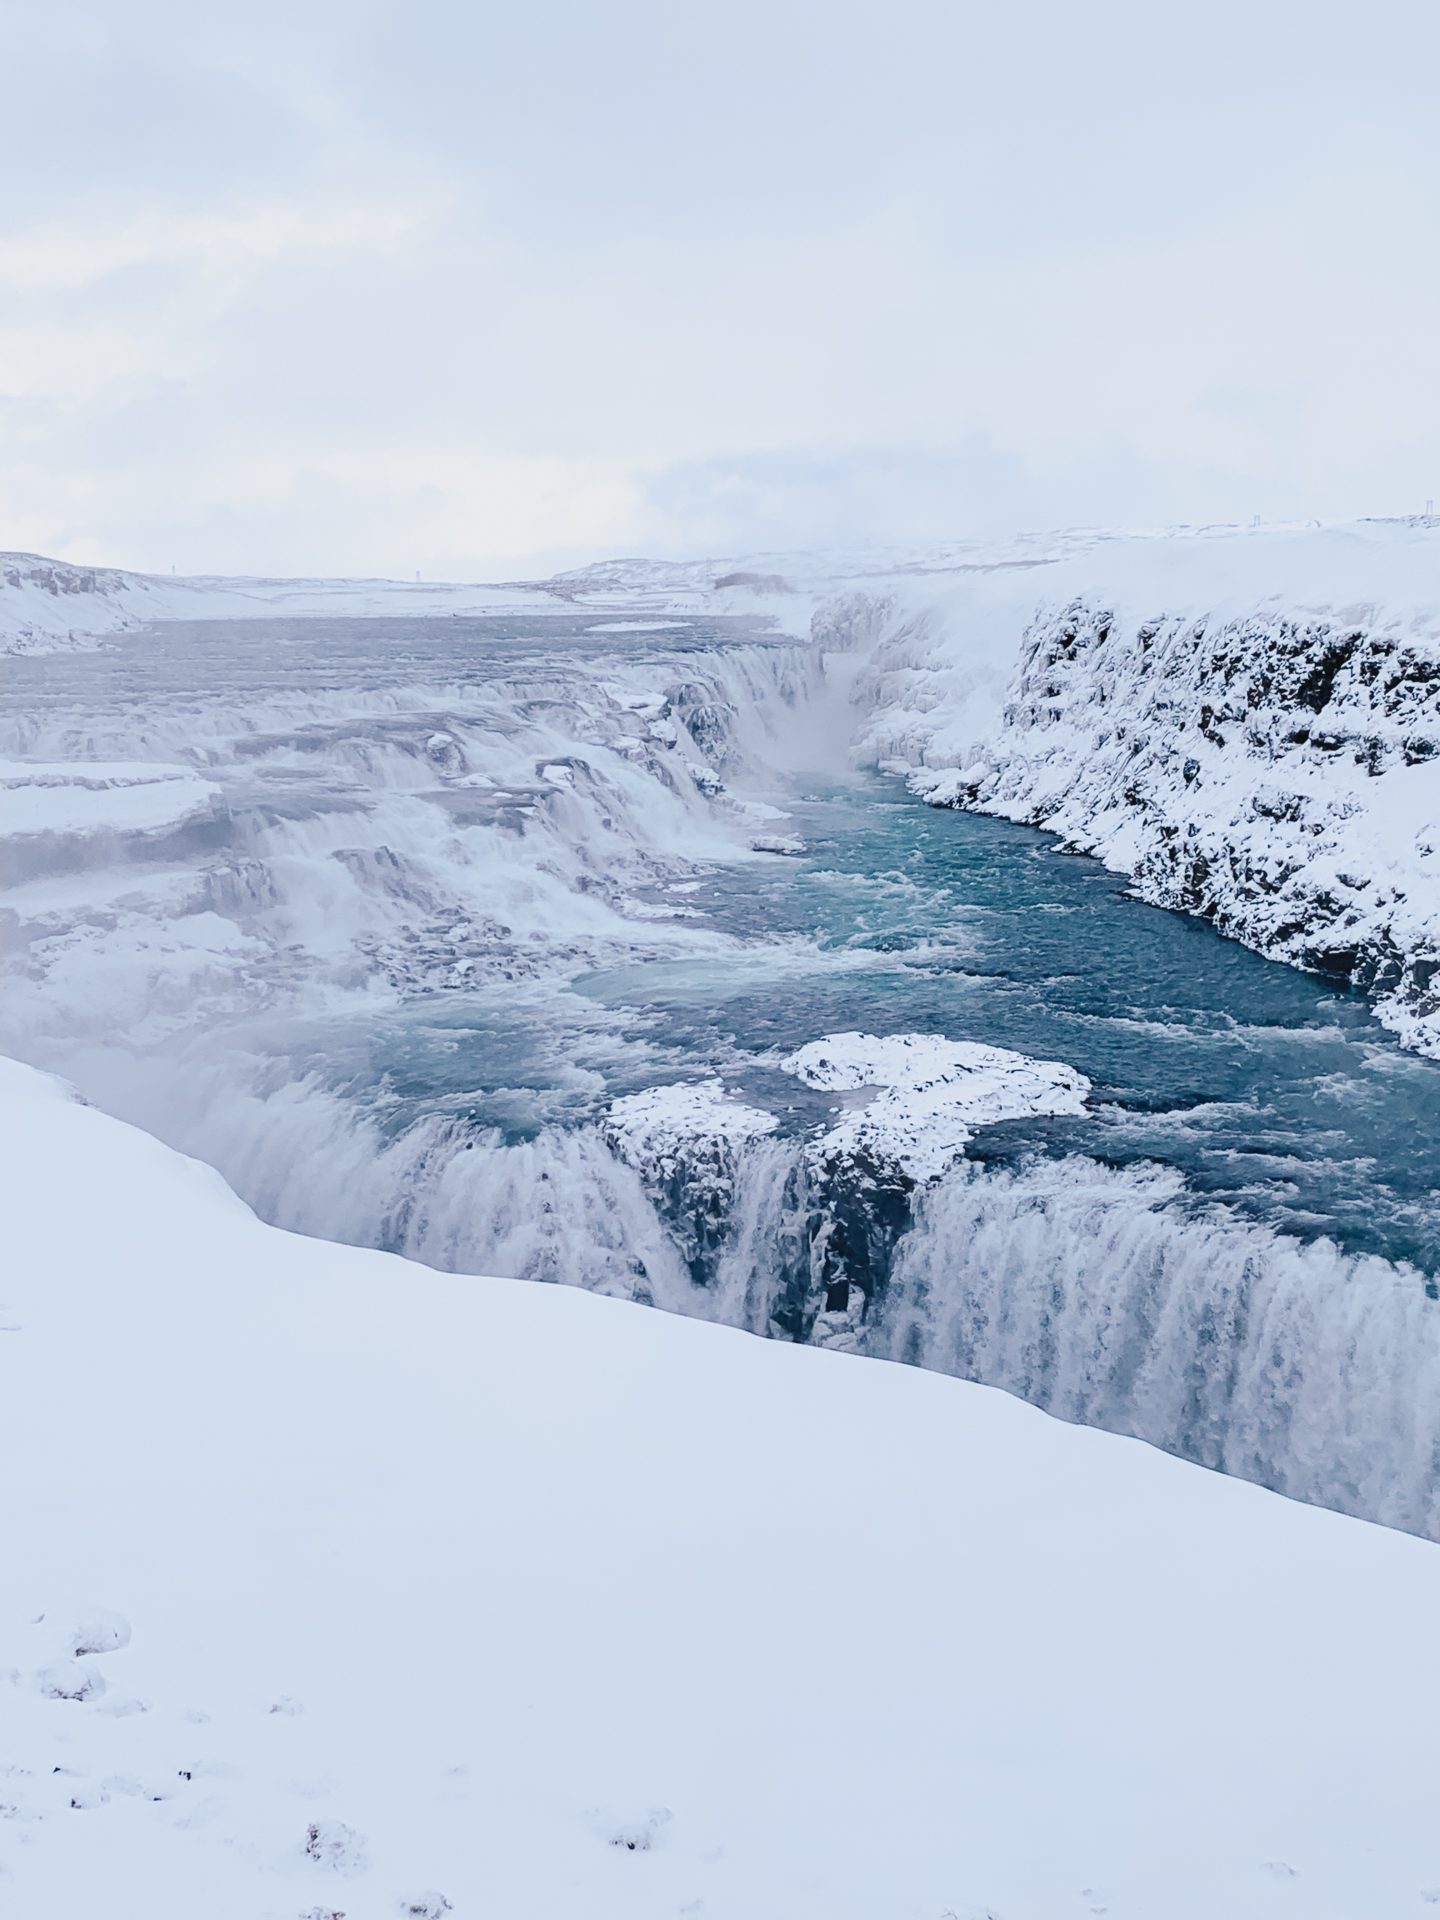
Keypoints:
pixel 471 292
pixel 62 257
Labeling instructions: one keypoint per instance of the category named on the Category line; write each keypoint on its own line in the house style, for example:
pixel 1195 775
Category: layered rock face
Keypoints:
pixel 1278 775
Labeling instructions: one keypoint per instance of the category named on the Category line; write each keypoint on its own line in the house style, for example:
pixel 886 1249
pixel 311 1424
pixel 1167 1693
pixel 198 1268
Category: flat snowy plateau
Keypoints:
pixel 334 1585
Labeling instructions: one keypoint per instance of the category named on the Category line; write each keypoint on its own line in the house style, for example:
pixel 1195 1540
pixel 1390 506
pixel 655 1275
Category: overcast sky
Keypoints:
pixel 479 289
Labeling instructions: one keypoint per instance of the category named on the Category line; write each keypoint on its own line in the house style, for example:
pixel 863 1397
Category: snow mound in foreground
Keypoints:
pixel 333 1584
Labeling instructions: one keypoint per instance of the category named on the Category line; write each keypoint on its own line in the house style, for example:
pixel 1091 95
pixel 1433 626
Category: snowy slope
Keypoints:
pixel 49 606
pixel 1247 723
pixel 399 1593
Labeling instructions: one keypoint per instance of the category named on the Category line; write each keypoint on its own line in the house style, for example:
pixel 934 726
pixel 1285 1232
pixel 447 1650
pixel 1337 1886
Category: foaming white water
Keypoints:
pixel 416 838
pixel 558 1207
pixel 1091 1293
pixel 767 1237
pixel 1102 1295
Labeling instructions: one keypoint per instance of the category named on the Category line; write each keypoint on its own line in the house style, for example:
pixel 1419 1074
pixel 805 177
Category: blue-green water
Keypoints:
pixel 1272 1090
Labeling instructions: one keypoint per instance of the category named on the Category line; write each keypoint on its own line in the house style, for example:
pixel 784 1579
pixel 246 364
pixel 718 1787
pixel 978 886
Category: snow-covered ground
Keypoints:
pixel 50 606
pixel 332 1585
pixel 911 1102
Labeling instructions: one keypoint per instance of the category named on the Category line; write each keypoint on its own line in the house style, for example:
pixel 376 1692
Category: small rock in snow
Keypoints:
pixel 98 1630
pixel 70 1680
pixel 639 1836
pixel 330 1843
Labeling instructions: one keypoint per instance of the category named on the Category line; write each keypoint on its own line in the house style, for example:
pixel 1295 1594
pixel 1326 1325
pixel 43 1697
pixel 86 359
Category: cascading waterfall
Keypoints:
pixel 1089 1291
pixel 1102 1295
pixel 289 981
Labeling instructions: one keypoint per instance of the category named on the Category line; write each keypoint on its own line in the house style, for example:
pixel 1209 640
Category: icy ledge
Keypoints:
pixel 332 1584
pixel 928 1095
pixel 922 1098
pixel 95 796
pixel 659 1126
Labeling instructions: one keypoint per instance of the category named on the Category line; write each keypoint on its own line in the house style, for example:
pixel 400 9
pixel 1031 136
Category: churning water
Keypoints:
pixel 463 882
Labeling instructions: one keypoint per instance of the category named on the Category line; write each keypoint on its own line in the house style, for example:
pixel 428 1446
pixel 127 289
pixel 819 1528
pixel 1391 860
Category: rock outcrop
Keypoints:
pixel 1277 776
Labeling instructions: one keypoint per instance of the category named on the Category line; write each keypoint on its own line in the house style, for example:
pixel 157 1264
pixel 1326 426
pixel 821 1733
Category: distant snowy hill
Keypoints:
pixel 332 1585
pixel 48 605
pixel 51 606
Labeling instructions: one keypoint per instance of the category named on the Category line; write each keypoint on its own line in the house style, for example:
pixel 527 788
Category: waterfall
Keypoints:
pixel 381 877
pixel 1106 1298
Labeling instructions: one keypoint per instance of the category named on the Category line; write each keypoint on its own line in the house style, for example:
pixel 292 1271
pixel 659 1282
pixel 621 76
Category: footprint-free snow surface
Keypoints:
pixel 336 1586
pixel 504 942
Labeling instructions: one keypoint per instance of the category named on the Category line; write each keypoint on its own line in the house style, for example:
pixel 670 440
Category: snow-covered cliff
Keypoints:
pixel 1249 724
pixel 49 606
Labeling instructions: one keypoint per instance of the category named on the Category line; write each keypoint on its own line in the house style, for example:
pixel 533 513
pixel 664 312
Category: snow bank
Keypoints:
pixel 89 796
pixel 47 606
pixel 634 626
pixel 335 1585
pixel 930 1095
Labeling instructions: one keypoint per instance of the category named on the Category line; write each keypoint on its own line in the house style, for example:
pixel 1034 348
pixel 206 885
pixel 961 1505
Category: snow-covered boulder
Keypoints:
pixel 926 1096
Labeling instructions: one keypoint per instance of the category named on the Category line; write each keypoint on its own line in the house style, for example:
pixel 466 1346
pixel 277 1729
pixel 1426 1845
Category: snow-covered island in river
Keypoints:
pixel 1018 961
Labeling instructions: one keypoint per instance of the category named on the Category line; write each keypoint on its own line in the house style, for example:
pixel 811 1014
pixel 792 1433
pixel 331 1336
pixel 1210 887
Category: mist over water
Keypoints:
pixel 459 884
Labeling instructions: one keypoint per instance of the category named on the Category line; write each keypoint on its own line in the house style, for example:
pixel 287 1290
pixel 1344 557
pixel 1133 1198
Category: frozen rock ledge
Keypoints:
pixel 96 796
pixel 929 1095
pixel 657 1126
